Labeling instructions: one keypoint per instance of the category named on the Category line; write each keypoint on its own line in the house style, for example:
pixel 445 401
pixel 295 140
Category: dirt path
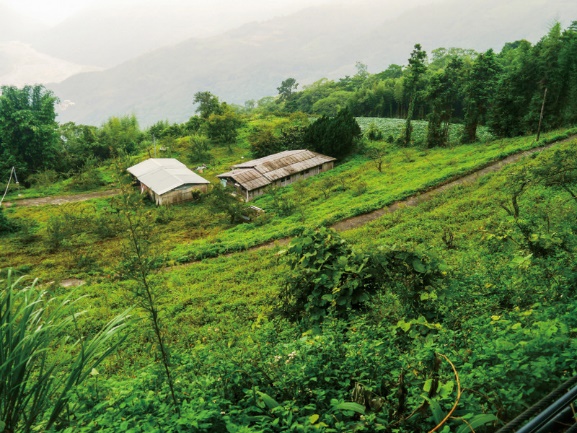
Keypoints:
pixel 357 221
pixel 61 199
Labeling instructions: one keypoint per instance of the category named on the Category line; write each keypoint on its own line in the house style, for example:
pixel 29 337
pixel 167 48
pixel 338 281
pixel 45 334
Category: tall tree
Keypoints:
pixel 478 89
pixel 120 135
pixel 513 91
pixel 28 129
pixel 286 89
pixel 223 127
pixel 442 94
pixel 550 76
pixel 568 64
pixel 416 71
pixel 78 143
pixel 207 104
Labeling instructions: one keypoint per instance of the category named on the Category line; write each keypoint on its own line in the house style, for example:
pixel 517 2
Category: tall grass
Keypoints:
pixel 41 360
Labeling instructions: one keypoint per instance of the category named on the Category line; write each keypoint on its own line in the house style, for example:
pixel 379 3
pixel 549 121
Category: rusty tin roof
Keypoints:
pixel 263 171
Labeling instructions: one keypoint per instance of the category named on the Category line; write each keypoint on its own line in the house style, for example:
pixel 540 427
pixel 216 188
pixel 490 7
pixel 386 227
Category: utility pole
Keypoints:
pixel 12 174
pixel 541 116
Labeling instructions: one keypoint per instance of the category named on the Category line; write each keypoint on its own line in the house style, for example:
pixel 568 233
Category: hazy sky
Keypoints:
pixel 49 11
pixel 54 11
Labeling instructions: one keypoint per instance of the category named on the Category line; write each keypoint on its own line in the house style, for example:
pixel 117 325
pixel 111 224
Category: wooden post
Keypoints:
pixel 541 116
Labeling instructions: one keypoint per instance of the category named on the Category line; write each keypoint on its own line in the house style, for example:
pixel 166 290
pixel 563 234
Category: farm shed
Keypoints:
pixel 167 180
pixel 281 169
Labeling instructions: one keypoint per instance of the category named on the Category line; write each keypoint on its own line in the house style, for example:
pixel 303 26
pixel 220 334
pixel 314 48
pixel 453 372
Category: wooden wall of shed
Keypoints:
pixel 293 178
pixel 179 195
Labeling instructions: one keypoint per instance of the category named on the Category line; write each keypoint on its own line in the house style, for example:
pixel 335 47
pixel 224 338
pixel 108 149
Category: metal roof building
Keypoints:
pixel 280 169
pixel 167 180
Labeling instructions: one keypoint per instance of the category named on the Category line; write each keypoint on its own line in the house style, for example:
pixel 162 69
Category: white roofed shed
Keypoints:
pixel 168 180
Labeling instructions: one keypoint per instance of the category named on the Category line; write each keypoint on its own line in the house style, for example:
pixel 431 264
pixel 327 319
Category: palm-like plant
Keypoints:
pixel 40 360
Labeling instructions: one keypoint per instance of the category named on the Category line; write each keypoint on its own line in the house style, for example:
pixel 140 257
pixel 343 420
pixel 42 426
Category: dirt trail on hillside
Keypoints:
pixel 41 201
pixel 360 220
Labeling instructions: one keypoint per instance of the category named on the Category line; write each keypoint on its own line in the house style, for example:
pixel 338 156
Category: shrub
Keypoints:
pixel 86 180
pixel 6 226
pixel 373 132
pixel 414 278
pixel 327 277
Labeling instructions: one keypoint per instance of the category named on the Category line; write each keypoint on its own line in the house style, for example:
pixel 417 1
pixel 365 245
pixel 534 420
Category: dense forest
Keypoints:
pixel 450 312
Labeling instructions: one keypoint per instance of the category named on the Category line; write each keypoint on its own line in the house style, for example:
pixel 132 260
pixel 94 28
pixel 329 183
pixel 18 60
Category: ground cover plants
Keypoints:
pixel 498 311
pixel 392 129
pixel 355 187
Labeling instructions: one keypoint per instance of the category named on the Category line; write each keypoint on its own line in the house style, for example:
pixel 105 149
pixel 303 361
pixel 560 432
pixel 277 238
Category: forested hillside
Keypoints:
pixel 452 309
pixel 249 63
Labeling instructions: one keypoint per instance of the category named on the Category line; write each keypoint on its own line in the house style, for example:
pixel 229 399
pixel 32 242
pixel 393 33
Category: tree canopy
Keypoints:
pixel 334 136
pixel 28 129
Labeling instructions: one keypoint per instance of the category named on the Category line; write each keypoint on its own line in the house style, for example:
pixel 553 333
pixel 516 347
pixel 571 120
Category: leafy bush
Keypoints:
pixel 44 178
pixel 373 132
pixel 414 278
pixel 333 136
pixel 199 149
pixel 6 226
pixel 88 179
pixel 327 277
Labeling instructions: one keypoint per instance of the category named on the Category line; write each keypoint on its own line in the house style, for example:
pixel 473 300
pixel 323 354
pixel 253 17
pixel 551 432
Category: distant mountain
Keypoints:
pixel 113 31
pixel 251 61
pixel 20 64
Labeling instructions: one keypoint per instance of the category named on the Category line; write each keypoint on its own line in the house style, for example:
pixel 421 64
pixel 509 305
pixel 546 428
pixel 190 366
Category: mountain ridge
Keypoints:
pixel 251 61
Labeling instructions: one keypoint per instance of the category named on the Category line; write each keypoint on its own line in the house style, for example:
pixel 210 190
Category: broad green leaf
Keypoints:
pixel 419 266
pixel 427 385
pixel 405 326
pixel 447 389
pixel 268 400
pixel 436 410
pixel 314 418
pixel 477 421
pixel 438 414
pixel 355 407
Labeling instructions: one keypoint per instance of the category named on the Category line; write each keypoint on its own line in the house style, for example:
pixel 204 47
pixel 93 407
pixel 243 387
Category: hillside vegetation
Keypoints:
pixel 452 315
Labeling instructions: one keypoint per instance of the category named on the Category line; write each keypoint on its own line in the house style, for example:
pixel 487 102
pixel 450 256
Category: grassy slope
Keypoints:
pixel 236 289
pixel 228 294
pixel 357 188
pixel 191 231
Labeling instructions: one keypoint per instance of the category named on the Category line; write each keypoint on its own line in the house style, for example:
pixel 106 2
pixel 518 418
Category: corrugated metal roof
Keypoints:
pixel 263 160
pixel 154 164
pixel 164 174
pixel 298 167
pixel 282 159
pixel 263 171
pixel 249 178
